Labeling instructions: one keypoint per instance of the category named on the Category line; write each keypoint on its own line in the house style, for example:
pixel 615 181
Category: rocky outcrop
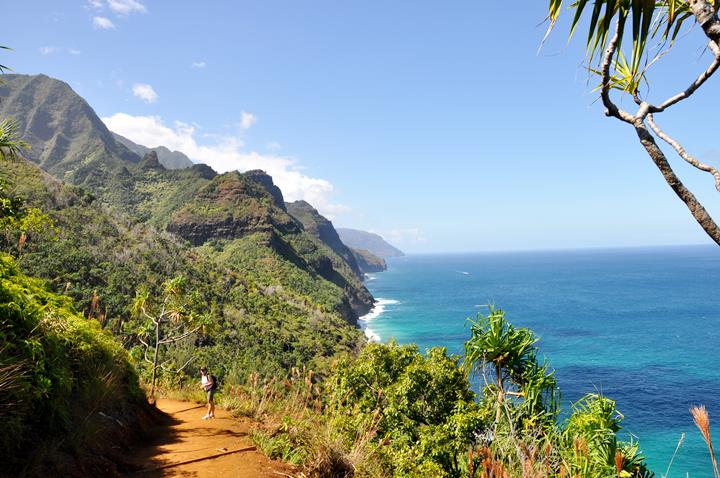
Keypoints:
pixel 231 206
pixel 369 262
pixel 203 170
pixel 266 181
pixel 151 161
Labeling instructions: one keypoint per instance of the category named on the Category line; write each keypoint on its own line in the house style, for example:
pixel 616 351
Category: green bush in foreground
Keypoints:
pixel 394 412
pixel 57 369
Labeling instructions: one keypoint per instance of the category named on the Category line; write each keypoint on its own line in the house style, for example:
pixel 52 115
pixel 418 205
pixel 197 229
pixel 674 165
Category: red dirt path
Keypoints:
pixel 185 436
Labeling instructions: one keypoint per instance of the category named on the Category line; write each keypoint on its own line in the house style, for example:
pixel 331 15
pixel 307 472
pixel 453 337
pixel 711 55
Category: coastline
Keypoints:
pixel 374 313
pixel 378 309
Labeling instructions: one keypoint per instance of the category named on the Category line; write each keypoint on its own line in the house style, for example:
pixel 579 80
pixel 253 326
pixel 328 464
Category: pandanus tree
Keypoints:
pixel 10 142
pixel 522 388
pixel 621 45
pixel 165 320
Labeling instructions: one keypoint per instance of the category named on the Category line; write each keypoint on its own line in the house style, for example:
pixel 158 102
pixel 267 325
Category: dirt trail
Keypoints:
pixel 185 436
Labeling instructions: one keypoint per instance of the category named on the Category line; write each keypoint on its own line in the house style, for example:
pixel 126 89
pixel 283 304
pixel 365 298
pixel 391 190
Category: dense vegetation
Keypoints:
pixel 393 411
pixel 266 313
pixel 61 376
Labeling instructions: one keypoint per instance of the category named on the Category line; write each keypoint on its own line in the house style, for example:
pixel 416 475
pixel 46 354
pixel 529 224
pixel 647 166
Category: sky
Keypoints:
pixel 439 125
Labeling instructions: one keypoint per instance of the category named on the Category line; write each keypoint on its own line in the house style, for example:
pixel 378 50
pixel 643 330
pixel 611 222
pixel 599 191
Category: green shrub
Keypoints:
pixel 57 368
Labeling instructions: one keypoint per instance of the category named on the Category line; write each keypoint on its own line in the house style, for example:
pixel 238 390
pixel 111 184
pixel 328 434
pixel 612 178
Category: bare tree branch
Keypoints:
pixel 683 154
pixel 170 340
pixel 612 109
pixel 147 347
pixel 185 365
pixel 704 76
pixel 706 16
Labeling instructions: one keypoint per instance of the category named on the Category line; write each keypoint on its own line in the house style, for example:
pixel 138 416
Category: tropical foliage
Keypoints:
pixel 57 371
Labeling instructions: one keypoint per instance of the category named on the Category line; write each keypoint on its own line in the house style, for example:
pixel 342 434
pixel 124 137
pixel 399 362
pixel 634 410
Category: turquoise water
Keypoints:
pixel 639 325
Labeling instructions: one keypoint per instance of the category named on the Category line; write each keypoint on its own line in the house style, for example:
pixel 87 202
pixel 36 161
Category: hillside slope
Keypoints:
pixel 321 228
pixel 64 385
pixel 369 262
pixel 101 258
pixel 245 213
pixel 66 137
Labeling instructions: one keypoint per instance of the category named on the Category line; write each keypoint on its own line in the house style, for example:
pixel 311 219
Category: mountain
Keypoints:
pixel 243 219
pixel 66 137
pixel 369 241
pixel 369 262
pixel 268 313
pixel 321 228
pixel 169 159
pixel 278 297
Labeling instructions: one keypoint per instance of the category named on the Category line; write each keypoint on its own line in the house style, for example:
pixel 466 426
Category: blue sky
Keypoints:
pixel 436 124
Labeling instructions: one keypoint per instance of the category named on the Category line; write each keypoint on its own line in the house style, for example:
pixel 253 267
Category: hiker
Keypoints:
pixel 209 384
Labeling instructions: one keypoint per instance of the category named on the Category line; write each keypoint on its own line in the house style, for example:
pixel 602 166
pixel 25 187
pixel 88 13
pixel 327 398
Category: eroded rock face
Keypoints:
pixel 231 206
pixel 198 233
pixel 264 179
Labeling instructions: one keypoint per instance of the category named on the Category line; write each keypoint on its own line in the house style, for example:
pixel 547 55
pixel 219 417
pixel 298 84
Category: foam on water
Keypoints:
pixel 377 310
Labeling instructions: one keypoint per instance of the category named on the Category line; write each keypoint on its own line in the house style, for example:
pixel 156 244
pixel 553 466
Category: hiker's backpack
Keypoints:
pixel 215 383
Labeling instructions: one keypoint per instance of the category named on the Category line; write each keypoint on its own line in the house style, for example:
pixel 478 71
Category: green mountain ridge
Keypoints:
pixel 124 222
pixel 66 137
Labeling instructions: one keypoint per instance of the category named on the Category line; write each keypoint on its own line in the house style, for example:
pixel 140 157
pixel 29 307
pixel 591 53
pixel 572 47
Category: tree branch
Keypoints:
pixel 147 347
pixel 683 154
pixel 611 108
pixel 180 337
pixel 704 76
pixel 185 365
pixel 658 157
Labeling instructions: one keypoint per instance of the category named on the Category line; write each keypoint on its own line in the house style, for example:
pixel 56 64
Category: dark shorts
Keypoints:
pixel 210 395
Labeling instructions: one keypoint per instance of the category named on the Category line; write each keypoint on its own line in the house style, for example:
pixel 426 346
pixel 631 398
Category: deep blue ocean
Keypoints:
pixel 640 325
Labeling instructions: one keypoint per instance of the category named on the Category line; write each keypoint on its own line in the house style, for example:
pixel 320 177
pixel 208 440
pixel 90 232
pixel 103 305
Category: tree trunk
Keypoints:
pixel 658 157
pixel 155 358
pixel 501 394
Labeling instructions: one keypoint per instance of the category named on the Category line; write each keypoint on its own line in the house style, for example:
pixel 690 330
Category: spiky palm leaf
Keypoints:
pixel 649 19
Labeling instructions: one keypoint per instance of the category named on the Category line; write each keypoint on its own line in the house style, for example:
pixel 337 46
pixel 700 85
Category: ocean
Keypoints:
pixel 640 325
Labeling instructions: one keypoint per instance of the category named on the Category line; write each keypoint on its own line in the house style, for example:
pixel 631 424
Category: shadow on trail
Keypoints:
pixel 147 455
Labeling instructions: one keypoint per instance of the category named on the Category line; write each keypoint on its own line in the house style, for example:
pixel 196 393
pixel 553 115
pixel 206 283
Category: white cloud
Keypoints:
pixel 227 154
pixel 95 4
pixel 103 23
pixel 145 92
pixel 47 50
pixel 247 120
pixel 199 64
pixel 74 51
pixel 125 7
